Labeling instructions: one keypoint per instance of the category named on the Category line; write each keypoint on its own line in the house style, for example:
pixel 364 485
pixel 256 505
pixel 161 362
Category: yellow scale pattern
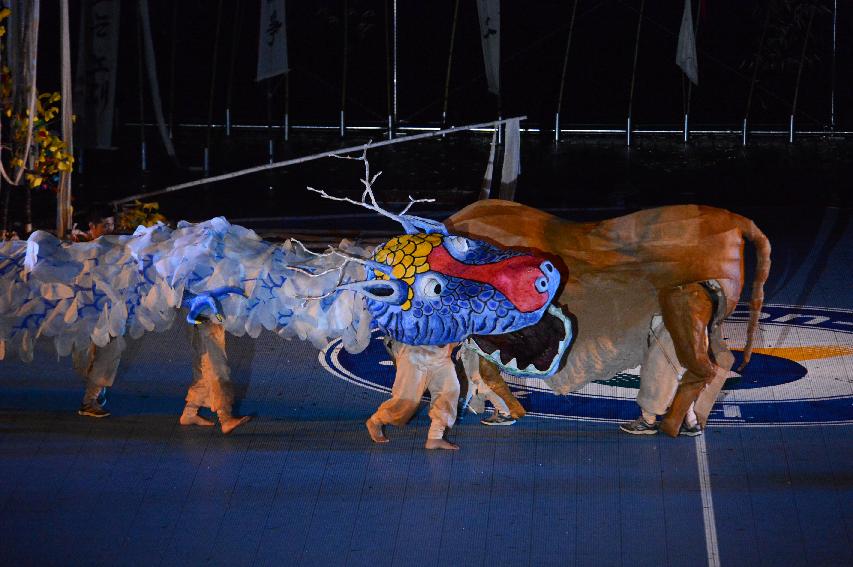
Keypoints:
pixel 407 254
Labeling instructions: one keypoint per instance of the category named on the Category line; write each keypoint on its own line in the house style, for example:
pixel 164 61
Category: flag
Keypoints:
pixel 685 56
pixel 512 160
pixel 486 186
pixel 272 40
pixel 490 37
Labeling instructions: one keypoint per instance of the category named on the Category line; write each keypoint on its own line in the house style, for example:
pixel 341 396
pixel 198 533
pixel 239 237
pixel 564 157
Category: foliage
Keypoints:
pixel 139 213
pixel 49 155
pixel 787 24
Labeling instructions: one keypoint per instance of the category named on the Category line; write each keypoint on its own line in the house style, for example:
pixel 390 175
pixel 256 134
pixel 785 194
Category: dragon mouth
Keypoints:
pixel 539 350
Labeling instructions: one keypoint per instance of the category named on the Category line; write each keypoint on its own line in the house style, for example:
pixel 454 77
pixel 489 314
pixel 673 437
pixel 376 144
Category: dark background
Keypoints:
pixel 579 172
pixel 533 44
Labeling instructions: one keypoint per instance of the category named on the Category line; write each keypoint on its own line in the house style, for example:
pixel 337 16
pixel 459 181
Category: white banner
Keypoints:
pixel 490 37
pixel 512 160
pixel 272 40
pixel 685 56
pixel 95 80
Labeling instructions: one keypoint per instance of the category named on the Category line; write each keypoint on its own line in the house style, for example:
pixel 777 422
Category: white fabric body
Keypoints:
pixel 127 285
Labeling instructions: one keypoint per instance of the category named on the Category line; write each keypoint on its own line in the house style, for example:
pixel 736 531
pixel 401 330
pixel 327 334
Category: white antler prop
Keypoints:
pixel 411 224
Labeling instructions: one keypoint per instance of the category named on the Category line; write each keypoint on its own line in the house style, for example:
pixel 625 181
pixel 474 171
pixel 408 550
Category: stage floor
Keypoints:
pixel 770 483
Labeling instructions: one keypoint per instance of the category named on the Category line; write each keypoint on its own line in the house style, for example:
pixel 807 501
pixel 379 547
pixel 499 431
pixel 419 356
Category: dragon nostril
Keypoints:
pixel 547 267
pixel 541 283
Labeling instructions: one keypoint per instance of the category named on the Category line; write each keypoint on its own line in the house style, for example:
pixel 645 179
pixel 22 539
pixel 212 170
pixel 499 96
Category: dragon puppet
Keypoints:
pixel 681 265
pixel 426 287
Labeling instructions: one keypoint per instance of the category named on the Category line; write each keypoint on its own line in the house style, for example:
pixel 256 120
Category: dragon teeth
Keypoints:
pixel 512 364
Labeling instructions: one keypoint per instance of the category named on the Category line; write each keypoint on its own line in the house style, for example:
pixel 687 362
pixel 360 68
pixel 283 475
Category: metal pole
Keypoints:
pixel 143 155
pixel 834 34
pixel 5 224
pixel 388 48
pixel 287 106
pixel 270 152
pixel 63 209
pixel 634 71
pixel 449 63
pixel 212 87
pixel 563 76
pixel 791 129
pixel 339 152
pixel 394 98
pixel 799 76
pixel 344 67
pixel 686 129
pixel 172 68
pixel 745 129
pixel 230 88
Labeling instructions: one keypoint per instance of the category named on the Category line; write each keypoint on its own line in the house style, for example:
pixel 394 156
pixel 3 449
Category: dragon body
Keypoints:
pixel 424 287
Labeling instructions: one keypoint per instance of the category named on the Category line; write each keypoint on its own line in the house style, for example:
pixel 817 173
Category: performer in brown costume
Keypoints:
pixel 684 263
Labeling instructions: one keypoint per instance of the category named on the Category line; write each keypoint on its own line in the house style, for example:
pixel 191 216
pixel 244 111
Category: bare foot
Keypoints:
pixel 441 444
pixel 375 431
pixel 232 423
pixel 194 419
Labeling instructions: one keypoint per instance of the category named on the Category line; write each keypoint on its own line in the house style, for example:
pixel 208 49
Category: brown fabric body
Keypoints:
pixel 619 273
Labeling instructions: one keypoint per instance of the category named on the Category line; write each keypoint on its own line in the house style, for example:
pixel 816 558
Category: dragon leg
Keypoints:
pixel 493 379
pixel 687 311
pixel 725 360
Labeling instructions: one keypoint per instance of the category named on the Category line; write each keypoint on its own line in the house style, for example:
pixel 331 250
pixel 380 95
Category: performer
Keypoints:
pixel 420 368
pixel 97 366
pixel 479 392
pixel 660 374
pixel 211 386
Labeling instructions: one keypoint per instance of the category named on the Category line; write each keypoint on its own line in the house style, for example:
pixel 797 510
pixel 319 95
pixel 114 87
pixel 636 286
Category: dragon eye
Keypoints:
pixel 430 287
pixel 456 244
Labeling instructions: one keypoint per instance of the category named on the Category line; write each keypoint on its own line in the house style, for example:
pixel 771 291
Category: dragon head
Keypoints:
pixel 432 288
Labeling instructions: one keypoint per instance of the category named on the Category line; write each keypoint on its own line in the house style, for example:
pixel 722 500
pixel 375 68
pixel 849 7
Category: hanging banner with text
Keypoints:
pixel 95 79
pixel 272 40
